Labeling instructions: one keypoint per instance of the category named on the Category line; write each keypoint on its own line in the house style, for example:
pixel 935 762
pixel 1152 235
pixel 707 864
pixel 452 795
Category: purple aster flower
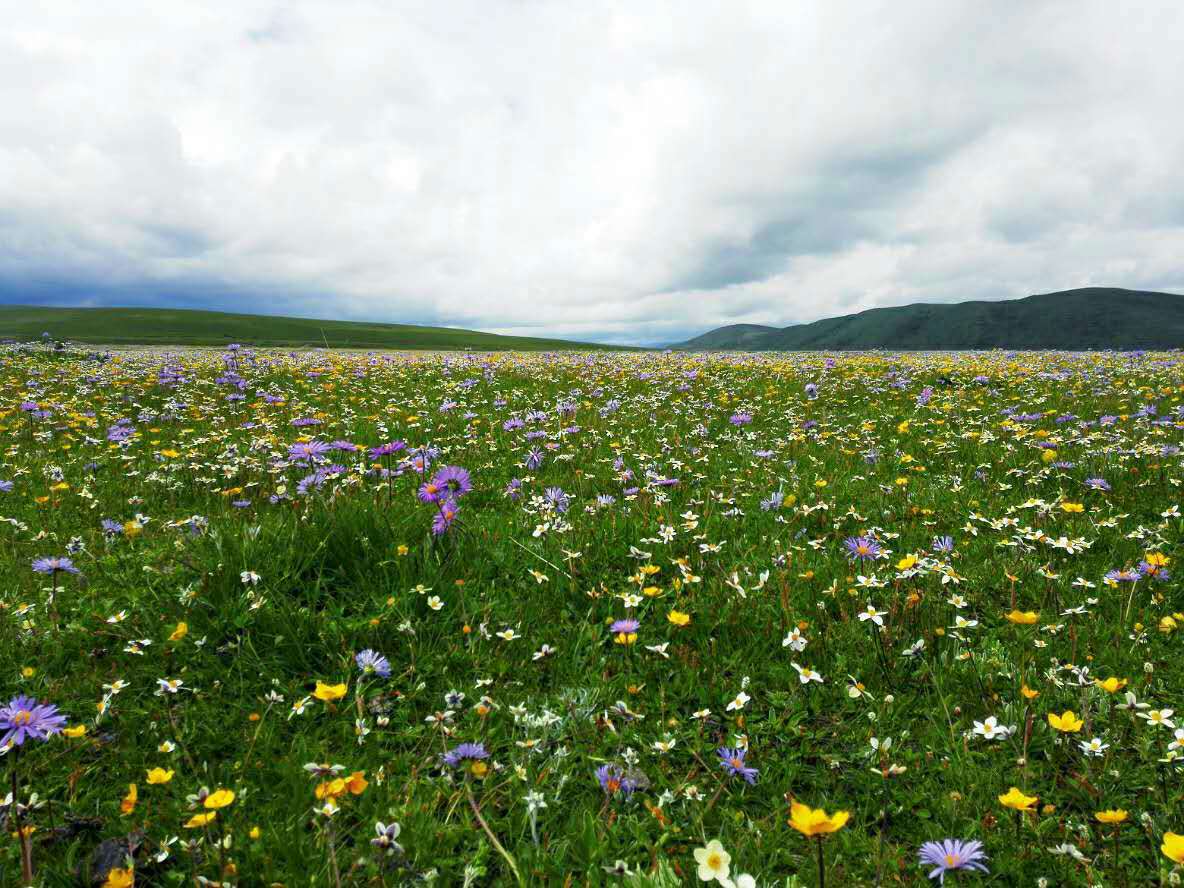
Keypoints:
pixel 444 518
pixel 732 761
pixel 345 446
pixel 1097 484
pixel 624 627
pixel 465 752
pixel 775 501
pixel 514 489
pixel 739 419
pixel 943 544
pixel 24 717
pixel 453 479
pixel 373 663
pixel 613 780
pixel 811 391
pixel 534 459
pixel 557 498
pixel 862 548
pixel 951 854
pixel 386 449
pixel 1124 576
pixel 924 396
pixel 6 486
pixel 111 528
pixel 54 566
pixel 306 451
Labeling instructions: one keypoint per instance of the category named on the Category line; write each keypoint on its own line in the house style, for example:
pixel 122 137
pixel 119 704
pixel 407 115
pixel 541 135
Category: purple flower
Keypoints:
pixel 6 486
pixel 613 779
pixel 1097 484
pixel 862 548
pixel 534 459
pixel 924 396
pixel 306 451
pixel 811 391
pixel 386 449
pixel 732 761
pixel 624 627
pixel 1124 576
pixel 943 544
pixel 54 565
pixel 24 717
pixel 951 854
pixel 454 479
pixel 514 489
pixel 465 752
pixel 739 419
pixel 373 663
pixel 444 518
pixel 557 498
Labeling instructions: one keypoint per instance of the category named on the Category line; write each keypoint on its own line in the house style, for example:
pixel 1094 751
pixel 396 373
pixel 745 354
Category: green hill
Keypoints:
pixel 1088 318
pixel 164 326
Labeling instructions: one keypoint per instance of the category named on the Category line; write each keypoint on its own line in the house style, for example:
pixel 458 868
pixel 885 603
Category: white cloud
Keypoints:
pixel 626 171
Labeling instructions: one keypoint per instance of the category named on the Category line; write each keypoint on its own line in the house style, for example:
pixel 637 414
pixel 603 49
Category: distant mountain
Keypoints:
pixel 1088 318
pixel 164 327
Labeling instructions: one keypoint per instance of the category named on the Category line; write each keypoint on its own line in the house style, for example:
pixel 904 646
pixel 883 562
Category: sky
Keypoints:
pixel 631 172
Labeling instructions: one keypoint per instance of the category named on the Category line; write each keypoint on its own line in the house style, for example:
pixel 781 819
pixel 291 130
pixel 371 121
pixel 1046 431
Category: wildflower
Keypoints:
pixel 815 821
pixel 1093 748
pixel 862 548
pixel 128 804
pixel 1016 800
pixel 1173 847
pixel 714 862
pixel 614 779
pixel 385 838
pixel 219 799
pixel 990 729
pixel 54 566
pixel 373 663
pixel 158 776
pixel 678 618
pixel 1067 722
pixel 1111 685
pixel 624 631
pixel 24 718
pixel 200 820
pixel 180 632
pixel 445 517
pixel 1023 618
pixel 806 674
pixel 872 614
pixel 120 877
pixel 1111 816
pixel 1153 717
pixel 329 693
pixel 463 753
pixel 952 854
pixel 732 761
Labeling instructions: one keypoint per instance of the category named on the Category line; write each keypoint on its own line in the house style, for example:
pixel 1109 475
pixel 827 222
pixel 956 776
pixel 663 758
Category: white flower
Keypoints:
pixel 1093 748
pixel 990 729
pixel 250 578
pixel 739 703
pixel 794 640
pixel 806 674
pixel 713 862
pixel 435 603
pixel 1158 717
pixel 507 634
pixel 872 614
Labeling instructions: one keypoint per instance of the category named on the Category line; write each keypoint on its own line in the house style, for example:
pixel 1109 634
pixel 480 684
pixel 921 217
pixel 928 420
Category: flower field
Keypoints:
pixel 316 618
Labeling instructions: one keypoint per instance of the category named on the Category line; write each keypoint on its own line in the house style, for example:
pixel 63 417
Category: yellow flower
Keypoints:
pixel 255 832
pixel 159 775
pixel 1111 816
pixel 331 788
pixel 1067 722
pixel 357 783
pixel 1173 847
pixel 1028 693
pixel 815 821
pixel 1023 618
pixel 902 428
pixel 1111 685
pixel 219 798
pixel 906 562
pixel 180 632
pixel 1016 800
pixel 129 801
pixel 401 549
pixel 120 878
pixel 28 672
pixel 1072 508
pixel 678 618
pixel 200 819
pixel 329 693
pixel 75 731
pixel 1157 559
pixel 479 769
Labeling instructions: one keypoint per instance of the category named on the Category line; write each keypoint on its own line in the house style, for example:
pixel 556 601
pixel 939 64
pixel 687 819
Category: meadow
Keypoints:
pixel 642 619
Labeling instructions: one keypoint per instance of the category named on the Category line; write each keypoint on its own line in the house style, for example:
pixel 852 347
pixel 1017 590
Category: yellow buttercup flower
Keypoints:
pixel 220 798
pixel 1173 847
pixel 1016 800
pixel 1072 508
pixel 906 562
pixel 1067 722
pixel 329 693
pixel 1023 618
pixel 120 878
pixel 159 775
pixel 678 618
pixel 1111 685
pixel 1028 693
pixel 815 821
pixel 74 731
pixel 180 632
pixel 1116 815
pixel 129 801
pixel 200 819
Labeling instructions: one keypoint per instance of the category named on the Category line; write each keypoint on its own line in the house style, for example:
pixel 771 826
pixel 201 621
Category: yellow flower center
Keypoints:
pixel 23 717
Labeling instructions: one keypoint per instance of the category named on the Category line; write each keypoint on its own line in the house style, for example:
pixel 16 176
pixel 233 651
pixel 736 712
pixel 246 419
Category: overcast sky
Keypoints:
pixel 629 172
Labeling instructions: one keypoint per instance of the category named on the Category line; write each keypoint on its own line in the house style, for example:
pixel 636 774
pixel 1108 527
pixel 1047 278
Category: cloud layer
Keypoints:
pixel 632 172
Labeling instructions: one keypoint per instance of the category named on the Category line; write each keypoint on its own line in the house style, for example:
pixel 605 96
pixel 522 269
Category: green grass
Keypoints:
pixel 166 326
pixel 1088 318
pixel 202 491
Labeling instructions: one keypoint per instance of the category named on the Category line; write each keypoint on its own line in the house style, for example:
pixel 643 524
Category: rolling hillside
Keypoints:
pixel 1088 318
pixel 155 326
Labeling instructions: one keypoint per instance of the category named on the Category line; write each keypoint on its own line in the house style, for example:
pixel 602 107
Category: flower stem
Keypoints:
pixel 821 865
